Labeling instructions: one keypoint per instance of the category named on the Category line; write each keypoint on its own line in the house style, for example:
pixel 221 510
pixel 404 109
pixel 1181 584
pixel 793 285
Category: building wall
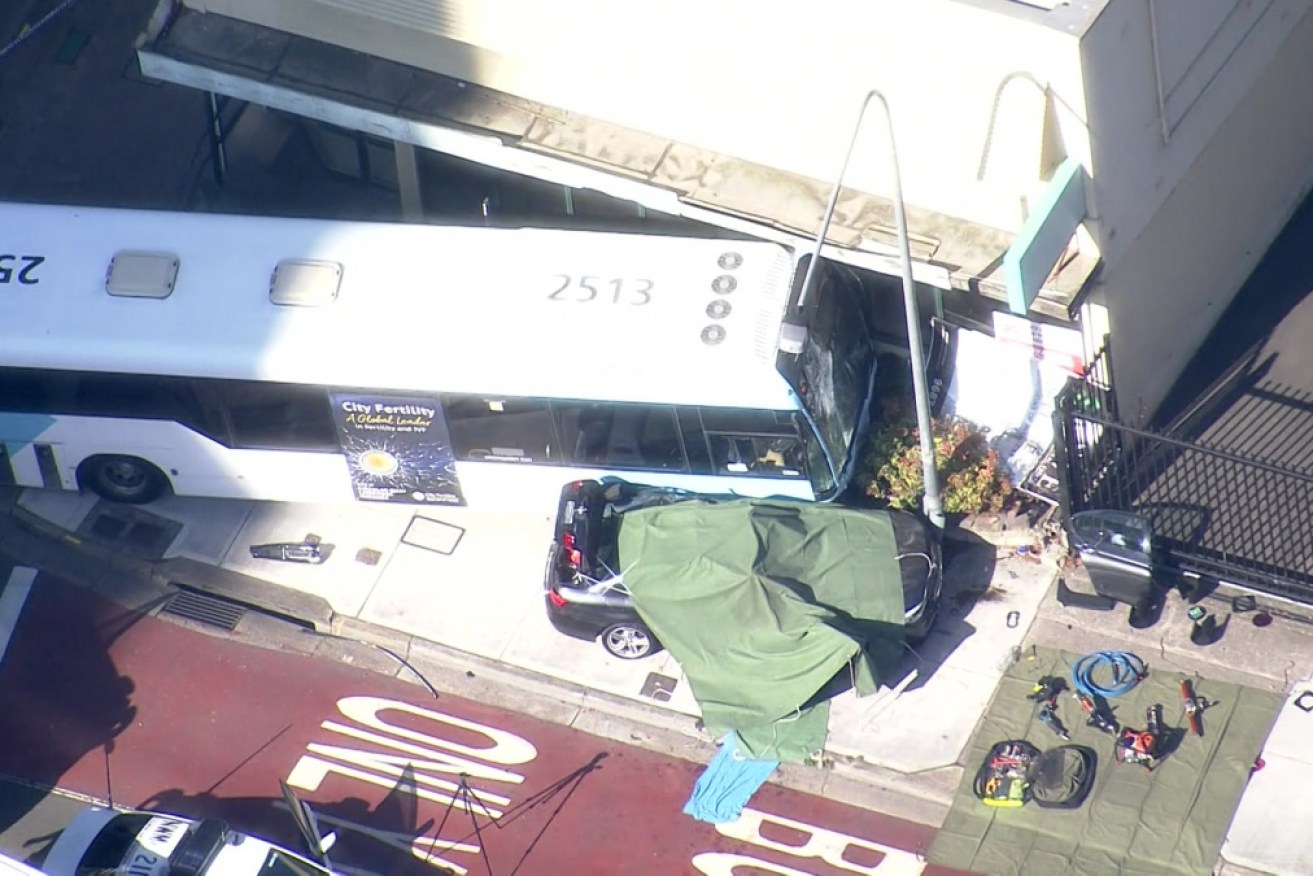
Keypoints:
pixel 1161 78
pixel 1178 272
pixel 984 104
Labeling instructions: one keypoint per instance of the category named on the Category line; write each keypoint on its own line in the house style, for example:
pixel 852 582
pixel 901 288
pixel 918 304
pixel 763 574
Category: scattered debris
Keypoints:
pixel 289 552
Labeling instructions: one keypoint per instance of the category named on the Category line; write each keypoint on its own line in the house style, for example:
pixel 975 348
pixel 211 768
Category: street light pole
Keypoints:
pixel 933 506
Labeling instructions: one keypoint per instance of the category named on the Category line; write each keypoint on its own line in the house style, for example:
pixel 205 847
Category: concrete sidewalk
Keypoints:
pixel 468 585
pixel 471 582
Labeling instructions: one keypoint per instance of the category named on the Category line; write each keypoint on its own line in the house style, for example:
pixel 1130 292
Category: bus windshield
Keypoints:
pixel 833 373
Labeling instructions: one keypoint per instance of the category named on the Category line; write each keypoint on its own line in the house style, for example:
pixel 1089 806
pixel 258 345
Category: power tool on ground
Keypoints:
pixel 1098 714
pixel 1194 707
pixel 1144 747
pixel 1046 691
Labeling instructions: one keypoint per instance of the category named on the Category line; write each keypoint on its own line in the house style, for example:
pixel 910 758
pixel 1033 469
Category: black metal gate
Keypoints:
pixel 1219 513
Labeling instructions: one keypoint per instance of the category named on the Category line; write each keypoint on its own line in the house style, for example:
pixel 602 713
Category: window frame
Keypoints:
pixel 454 401
pixel 59 392
pixel 753 424
pixel 327 441
pixel 611 413
pixel 757 456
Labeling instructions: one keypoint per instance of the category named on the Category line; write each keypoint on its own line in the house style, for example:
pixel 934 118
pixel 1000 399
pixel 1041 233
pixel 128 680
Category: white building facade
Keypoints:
pixel 1122 164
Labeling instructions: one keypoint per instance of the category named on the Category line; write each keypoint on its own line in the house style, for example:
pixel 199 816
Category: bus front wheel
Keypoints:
pixel 123 479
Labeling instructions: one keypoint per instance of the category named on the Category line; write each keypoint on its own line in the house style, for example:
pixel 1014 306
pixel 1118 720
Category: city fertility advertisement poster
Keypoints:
pixel 398 448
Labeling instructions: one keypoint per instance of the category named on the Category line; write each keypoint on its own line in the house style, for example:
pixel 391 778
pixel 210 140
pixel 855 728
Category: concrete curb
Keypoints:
pixel 296 605
pixel 171 574
pixel 924 798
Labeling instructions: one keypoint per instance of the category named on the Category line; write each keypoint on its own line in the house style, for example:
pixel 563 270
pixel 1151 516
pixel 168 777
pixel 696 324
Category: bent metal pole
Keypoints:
pixel 934 508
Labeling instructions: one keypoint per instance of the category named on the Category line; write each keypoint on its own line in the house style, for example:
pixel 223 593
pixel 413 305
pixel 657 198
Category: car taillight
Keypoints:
pixel 575 558
pixel 556 599
pixel 567 540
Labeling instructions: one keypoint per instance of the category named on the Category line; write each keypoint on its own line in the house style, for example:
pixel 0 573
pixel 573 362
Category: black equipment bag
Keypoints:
pixel 1015 772
pixel 1062 777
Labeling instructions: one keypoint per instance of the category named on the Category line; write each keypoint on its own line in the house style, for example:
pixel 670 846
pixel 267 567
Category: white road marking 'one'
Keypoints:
pixel 12 601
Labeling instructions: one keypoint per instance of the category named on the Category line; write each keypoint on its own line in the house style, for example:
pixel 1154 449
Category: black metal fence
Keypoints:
pixel 1219 511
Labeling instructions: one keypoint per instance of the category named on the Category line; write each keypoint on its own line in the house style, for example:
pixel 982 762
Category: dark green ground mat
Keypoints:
pixel 1168 821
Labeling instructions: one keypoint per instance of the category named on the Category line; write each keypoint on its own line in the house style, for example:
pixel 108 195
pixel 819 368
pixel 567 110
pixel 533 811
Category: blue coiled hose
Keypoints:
pixel 1125 668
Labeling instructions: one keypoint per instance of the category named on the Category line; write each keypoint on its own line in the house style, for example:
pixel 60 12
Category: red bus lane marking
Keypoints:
pixel 423 754
pixel 427 761
pixel 105 701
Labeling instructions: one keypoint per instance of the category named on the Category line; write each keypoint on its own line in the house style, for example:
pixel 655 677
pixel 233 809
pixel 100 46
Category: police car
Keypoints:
pixel 14 867
pixel 108 842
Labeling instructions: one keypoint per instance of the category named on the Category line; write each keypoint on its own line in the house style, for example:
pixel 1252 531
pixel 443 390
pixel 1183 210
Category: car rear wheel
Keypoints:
pixel 627 641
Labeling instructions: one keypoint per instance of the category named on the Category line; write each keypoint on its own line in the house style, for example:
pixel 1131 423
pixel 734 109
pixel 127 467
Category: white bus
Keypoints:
pixel 318 361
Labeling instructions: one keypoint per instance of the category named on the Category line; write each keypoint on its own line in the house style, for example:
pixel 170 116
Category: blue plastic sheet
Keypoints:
pixel 727 784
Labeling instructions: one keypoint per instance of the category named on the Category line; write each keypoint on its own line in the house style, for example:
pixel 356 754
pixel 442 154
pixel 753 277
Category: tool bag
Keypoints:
pixel 1015 772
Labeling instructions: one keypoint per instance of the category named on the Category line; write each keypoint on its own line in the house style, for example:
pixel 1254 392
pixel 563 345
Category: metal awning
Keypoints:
pixel 360 92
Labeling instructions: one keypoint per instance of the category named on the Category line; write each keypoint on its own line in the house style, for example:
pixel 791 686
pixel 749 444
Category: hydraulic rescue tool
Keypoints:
pixel 1194 707
pixel 1097 714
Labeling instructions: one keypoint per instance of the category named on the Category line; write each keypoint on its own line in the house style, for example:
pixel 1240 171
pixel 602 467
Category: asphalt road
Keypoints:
pixel 106 702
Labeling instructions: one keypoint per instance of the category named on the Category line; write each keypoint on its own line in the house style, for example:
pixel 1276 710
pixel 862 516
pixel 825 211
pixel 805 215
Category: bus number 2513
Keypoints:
pixel 618 290
pixel 19 268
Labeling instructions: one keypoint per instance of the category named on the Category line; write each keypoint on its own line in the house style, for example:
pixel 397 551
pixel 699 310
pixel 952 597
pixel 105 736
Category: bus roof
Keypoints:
pixel 490 311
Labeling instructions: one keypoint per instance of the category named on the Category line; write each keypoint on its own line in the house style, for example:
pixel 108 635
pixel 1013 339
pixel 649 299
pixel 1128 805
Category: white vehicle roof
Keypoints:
pixel 14 867
pixel 419 307
pixel 73 841
pixel 148 854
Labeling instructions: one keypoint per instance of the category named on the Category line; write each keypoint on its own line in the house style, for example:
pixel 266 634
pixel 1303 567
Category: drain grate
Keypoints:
pixel 659 687
pixel 132 530
pixel 205 609
pixel 107 528
pixel 148 537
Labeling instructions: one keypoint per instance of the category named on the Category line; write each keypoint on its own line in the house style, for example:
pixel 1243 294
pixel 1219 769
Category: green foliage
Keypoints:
pixel 970 479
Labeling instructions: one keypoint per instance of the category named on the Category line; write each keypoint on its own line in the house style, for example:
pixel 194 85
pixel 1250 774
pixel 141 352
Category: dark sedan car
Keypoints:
pixel 585 592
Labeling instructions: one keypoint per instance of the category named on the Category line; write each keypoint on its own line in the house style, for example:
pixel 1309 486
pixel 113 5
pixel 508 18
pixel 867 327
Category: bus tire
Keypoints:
pixel 125 479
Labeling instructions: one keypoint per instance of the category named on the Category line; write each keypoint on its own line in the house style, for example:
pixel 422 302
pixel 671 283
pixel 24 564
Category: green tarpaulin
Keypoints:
pixel 1135 822
pixel 763 603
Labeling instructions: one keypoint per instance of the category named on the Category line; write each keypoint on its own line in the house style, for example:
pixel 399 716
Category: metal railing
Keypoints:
pixel 1223 512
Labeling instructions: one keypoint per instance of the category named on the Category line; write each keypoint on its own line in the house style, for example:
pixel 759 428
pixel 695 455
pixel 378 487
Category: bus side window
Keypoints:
pixel 282 416
pixel 585 430
pixel 659 441
pixel 26 389
pixel 619 435
pixel 695 441
pixel 760 455
pixel 140 396
pixel 500 429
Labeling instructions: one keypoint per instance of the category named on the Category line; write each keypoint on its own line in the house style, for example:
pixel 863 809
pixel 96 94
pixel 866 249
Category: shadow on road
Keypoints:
pixel 63 697
pixel 389 839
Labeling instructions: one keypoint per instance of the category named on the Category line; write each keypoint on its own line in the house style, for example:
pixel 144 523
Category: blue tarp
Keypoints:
pixel 727 784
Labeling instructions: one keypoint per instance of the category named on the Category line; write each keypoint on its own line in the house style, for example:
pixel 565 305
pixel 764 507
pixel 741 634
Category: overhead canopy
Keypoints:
pixel 763 602
pixel 251 52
